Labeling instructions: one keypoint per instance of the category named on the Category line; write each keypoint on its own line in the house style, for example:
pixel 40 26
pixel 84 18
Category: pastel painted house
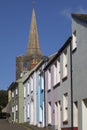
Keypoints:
pixel 31 96
pixel 34 96
pixel 17 100
pixel 79 68
pixel 65 81
pixel 41 96
pixel 58 89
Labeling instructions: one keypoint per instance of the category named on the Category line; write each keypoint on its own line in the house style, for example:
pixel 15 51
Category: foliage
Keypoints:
pixel 3 99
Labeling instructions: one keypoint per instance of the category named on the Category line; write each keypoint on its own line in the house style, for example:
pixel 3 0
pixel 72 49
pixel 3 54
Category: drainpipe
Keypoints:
pixel 44 102
pixel 71 85
pixel 45 61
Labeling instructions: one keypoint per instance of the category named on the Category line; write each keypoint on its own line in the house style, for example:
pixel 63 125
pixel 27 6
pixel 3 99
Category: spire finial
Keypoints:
pixel 33 3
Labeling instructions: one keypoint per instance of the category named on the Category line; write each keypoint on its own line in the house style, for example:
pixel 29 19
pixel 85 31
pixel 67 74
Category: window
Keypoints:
pixel 31 84
pixel 41 114
pixel 74 41
pixel 33 61
pixel 28 88
pixel 25 64
pixel 12 115
pixel 24 92
pixel 28 111
pixel 84 114
pixel 49 113
pixel 58 71
pixel 12 109
pixel 65 64
pixel 65 108
pixel 12 94
pixel 55 73
pixel 16 114
pixel 42 82
pixel 16 107
pixel 75 112
pixel 16 91
pixel 49 79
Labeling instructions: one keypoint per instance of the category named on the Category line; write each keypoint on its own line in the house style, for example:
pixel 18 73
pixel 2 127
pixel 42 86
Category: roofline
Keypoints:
pixel 78 18
pixel 35 69
pixel 11 85
pixel 59 52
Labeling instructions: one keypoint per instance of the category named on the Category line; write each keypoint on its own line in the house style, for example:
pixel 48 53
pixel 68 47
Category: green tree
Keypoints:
pixel 3 99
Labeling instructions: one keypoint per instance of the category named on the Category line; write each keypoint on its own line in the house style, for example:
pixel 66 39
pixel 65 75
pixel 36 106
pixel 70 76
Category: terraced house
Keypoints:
pixel 65 81
pixel 34 95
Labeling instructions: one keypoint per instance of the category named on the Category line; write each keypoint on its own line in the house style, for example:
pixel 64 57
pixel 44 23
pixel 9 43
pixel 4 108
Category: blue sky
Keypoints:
pixel 54 27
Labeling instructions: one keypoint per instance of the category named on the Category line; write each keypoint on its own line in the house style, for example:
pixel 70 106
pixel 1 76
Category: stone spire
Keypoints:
pixel 33 53
pixel 33 43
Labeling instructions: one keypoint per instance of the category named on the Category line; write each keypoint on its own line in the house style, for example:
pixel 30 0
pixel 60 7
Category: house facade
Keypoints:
pixel 58 89
pixel 34 96
pixel 41 96
pixel 65 81
pixel 17 102
pixel 79 69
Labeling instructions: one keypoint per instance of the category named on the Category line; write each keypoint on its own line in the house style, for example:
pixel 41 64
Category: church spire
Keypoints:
pixel 33 54
pixel 33 43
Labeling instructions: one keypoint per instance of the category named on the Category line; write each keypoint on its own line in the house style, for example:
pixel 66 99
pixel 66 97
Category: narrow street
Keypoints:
pixel 5 125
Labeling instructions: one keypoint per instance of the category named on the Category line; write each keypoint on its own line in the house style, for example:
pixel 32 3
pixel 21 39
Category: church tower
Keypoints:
pixel 33 53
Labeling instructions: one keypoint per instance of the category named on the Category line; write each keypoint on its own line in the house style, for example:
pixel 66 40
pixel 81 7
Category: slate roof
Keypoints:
pixel 82 17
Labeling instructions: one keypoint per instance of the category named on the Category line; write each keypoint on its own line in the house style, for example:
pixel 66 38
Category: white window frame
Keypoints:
pixel 49 113
pixel 65 64
pixel 65 107
pixel 12 108
pixel 16 91
pixel 42 82
pixel 31 80
pixel 49 78
pixel 13 94
pixel 55 73
pixel 41 116
pixel 28 88
pixel 24 91
pixel 58 70
pixel 16 107
pixel 74 41
pixel 28 110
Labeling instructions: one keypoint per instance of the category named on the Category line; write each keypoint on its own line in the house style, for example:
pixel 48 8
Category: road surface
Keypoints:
pixel 4 125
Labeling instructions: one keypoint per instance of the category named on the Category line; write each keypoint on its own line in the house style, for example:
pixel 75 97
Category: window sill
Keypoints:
pixel 74 50
pixel 64 78
pixel 49 124
pixel 48 90
pixel 57 85
pixel 65 122
pixel 42 90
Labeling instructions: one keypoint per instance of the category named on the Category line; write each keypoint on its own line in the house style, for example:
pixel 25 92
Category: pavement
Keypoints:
pixel 5 125
pixel 31 127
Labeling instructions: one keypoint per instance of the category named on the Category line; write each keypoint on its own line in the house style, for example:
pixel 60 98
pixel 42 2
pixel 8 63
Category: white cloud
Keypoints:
pixel 81 10
pixel 67 12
